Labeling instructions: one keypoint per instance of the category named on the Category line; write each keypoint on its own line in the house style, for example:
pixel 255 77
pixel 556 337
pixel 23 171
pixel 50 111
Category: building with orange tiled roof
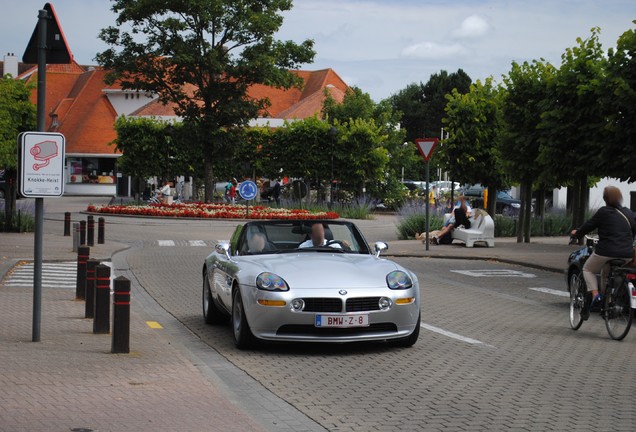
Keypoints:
pixel 82 107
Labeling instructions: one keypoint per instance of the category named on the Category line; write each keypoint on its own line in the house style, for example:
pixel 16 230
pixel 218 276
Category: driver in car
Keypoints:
pixel 317 238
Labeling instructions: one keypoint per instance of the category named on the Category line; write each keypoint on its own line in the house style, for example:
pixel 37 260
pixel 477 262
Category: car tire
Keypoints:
pixel 409 340
pixel 211 313
pixel 243 337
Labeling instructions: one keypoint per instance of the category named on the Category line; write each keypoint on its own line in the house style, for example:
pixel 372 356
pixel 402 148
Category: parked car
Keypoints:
pixel 506 204
pixel 344 293
pixel 445 186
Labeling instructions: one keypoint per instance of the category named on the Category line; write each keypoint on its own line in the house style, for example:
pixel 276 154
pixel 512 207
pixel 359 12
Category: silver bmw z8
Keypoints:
pixel 309 281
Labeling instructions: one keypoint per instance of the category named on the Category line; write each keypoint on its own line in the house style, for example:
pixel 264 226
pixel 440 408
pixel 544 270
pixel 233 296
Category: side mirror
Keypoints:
pixel 379 247
pixel 223 248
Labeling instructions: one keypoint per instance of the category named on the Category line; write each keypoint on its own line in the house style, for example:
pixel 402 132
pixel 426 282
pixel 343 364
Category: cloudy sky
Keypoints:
pixel 383 45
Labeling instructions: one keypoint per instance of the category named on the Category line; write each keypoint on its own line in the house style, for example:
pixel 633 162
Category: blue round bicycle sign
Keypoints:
pixel 248 190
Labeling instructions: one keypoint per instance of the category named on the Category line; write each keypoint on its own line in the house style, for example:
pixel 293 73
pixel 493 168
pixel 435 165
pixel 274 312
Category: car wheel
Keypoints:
pixel 409 340
pixel 243 337
pixel 211 313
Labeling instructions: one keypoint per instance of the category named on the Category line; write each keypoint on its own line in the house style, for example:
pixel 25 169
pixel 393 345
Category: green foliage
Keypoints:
pixel 149 147
pixel 202 57
pixel 414 223
pixel 422 105
pixel 521 108
pixel 572 117
pixel 620 103
pixel 558 224
pixel 471 154
pixel 303 149
pixel 551 225
pixel 17 114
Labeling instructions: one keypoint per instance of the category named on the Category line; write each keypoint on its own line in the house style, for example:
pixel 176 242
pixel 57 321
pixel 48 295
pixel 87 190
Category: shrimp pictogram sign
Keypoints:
pixel 41 165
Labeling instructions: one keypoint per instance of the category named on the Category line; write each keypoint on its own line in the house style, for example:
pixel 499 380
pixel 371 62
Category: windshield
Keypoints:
pixel 300 236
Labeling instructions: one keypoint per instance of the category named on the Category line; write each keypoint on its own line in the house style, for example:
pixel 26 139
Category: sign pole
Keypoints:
pixel 428 163
pixel 426 147
pixel 43 16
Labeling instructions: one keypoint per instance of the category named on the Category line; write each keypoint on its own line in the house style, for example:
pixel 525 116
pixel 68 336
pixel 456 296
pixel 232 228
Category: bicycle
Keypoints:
pixel 617 301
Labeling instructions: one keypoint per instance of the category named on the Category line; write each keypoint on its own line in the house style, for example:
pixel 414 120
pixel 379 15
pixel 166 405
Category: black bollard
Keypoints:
pixel 89 310
pixel 100 230
pixel 67 224
pixel 101 322
pixel 83 253
pixel 90 231
pixel 121 316
pixel 82 233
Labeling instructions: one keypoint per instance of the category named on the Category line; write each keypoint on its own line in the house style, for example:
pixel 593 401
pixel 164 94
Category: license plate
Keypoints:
pixel 342 321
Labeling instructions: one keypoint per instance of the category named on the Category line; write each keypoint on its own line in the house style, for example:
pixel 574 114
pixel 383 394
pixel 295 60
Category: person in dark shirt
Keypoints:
pixel 616 227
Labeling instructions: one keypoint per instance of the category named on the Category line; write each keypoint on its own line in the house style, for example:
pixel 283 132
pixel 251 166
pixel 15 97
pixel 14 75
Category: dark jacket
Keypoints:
pixel 615 233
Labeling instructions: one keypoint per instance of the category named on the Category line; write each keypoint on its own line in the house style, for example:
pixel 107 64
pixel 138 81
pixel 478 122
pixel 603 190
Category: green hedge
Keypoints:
pixel 413 221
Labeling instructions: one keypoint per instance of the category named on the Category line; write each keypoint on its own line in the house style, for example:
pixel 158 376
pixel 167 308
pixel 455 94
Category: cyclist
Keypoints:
pixel 616 227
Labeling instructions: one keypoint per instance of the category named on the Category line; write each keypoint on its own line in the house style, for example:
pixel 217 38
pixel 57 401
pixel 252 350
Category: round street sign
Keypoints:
pixel 248 190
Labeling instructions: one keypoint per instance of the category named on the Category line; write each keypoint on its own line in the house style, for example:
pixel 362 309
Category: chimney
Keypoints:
pixel 10 65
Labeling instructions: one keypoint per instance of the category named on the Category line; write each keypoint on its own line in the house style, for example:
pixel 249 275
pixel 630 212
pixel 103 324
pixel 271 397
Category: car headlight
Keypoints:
pixel 271 282
pixel 398 280
pixel 515 205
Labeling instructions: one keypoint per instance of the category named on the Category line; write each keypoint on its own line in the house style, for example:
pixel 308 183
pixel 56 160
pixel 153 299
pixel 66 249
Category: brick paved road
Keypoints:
pixel 527 375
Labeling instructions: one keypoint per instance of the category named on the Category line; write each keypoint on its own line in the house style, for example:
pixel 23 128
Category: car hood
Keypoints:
pixel 320 269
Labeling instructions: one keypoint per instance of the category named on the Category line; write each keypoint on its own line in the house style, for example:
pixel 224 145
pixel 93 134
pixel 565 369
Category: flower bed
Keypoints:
pixel 211 211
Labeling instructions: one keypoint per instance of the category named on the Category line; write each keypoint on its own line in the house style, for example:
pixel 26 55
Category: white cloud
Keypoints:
pixel 433 50
pixel 472 27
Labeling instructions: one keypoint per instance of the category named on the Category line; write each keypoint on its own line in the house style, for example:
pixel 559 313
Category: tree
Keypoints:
pixel 152 147
pixel 521 109
pixel 382 123
pixel 422 105
pixel 620 104
pixel 17 114
pixel 203 56
pixel 574 121
pixel 470 154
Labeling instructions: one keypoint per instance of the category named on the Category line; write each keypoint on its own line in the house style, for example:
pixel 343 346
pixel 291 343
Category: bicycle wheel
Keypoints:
pixel 618 312
pixel 577 299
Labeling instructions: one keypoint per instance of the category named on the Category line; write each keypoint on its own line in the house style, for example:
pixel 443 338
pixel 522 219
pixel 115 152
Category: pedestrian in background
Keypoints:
pixel 232 192
pixel 276 192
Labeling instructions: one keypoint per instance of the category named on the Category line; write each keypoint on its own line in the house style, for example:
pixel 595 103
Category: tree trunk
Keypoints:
pixel 10 193
pixel 527 198
pixel 522 213
pixel 491 205
pixel 209 181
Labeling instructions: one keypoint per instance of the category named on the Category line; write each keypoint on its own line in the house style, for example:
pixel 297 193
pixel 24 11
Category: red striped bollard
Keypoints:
pixel 89 310
pixel 82 233
pixel 101 321
pixel 90 231
pixel 83 253
pixel 121 316
pixel 67 224
pixel 100 230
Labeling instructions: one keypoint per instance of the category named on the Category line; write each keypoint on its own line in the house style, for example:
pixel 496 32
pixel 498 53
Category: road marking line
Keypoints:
pixel 551 291
pixel 495 273
pixel 197 243
pixel 453 335
pixel 154 325
pixel 165 242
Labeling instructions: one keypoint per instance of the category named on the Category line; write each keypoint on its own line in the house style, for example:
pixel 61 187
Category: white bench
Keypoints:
pixel 482 229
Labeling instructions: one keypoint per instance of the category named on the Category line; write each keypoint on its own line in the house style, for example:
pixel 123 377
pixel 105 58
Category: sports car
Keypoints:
pixel 277 281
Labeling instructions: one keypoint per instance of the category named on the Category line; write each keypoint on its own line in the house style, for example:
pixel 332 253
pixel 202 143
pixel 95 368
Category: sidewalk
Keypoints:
pixel 70 381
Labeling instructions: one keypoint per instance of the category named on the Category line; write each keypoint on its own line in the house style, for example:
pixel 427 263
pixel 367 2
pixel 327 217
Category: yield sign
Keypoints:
pixel 426 146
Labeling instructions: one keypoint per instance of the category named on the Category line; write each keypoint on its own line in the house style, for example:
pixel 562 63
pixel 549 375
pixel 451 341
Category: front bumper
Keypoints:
pixel 282 323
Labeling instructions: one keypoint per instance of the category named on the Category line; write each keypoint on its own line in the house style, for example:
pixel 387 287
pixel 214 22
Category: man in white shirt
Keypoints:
pixel 317 238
